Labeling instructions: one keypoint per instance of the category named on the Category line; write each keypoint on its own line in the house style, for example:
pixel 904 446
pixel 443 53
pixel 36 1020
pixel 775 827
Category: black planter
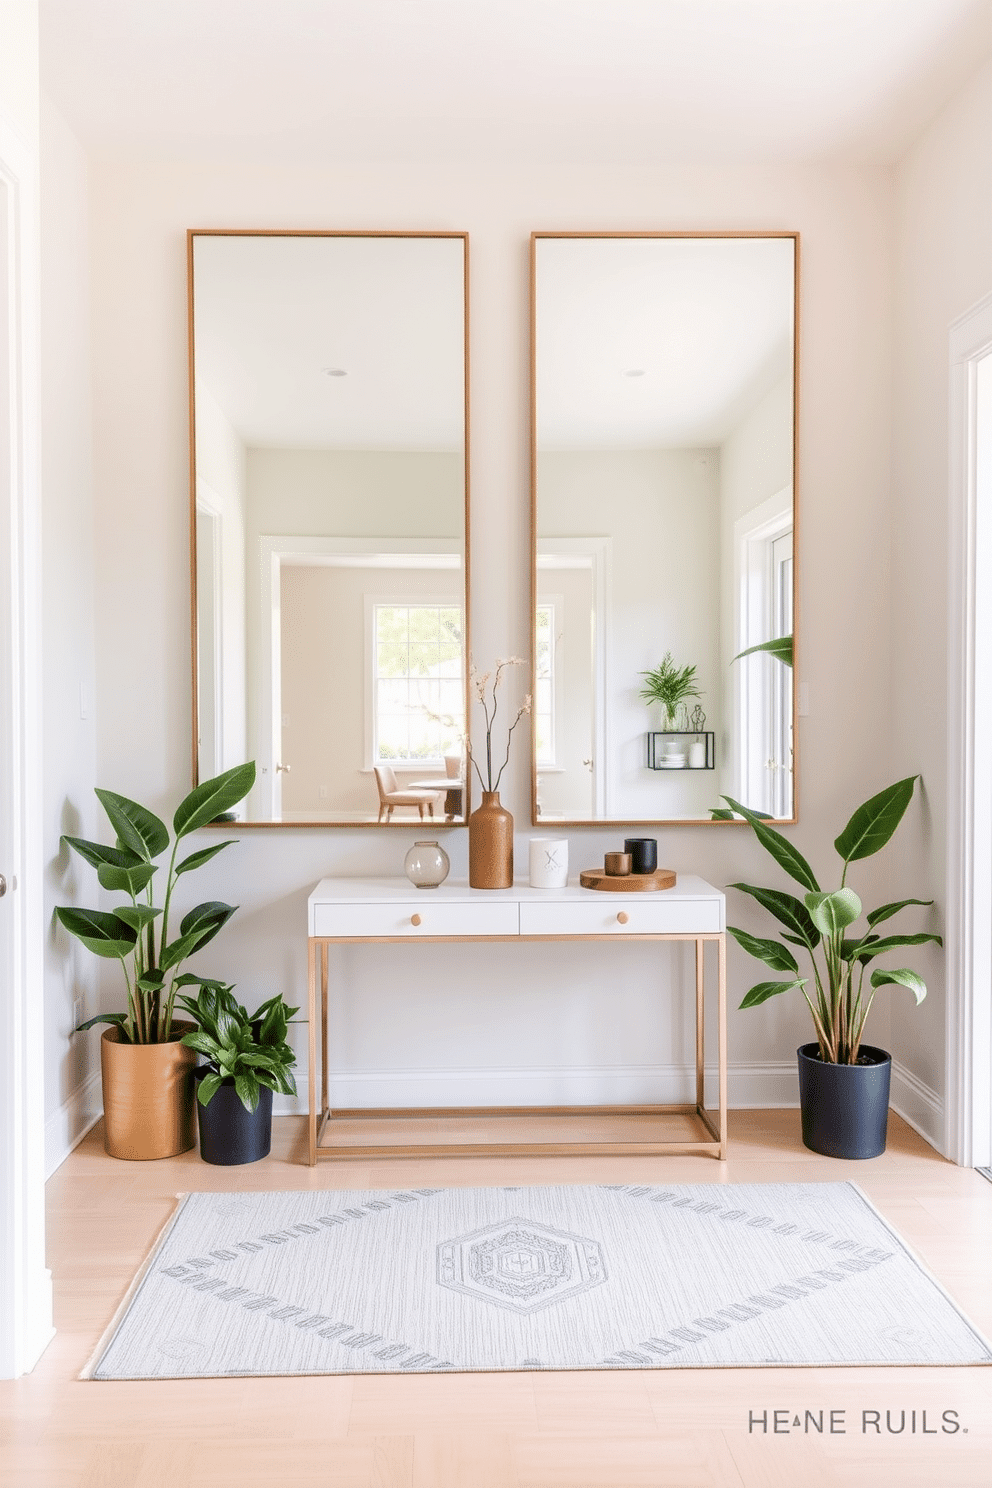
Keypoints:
pixel 230 1134
pixel 845 1107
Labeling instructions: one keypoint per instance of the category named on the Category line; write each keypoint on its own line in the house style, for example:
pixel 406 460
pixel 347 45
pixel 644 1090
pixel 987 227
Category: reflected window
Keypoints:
pixel 418 683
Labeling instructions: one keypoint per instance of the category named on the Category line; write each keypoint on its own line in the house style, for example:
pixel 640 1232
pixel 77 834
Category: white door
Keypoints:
pixel 780 691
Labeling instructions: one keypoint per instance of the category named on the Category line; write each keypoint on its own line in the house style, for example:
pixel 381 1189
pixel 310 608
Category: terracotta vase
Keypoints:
pixel 490 845
pixel 148 1096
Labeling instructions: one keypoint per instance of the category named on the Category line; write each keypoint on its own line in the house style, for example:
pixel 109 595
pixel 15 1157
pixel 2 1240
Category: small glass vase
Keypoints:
pixel 426 865
pixel 490 845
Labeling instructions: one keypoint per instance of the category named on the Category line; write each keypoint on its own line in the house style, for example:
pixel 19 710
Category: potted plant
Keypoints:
pixel 247 1059
pixel 843 1082
pixel 670 686
pixel 147 1071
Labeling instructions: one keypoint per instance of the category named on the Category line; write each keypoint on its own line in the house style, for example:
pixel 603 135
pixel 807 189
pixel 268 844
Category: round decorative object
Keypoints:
pixel 617 864
pixel 426 865
pixel 630 883
pixel 845 1107
pixel 490 845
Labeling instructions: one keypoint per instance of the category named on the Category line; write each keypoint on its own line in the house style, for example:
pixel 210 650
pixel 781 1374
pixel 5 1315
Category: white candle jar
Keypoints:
pixel 548 862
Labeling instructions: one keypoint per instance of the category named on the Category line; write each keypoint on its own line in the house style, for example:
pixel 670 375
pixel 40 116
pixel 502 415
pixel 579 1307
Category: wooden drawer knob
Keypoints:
pixel 623 917
pixel 414 919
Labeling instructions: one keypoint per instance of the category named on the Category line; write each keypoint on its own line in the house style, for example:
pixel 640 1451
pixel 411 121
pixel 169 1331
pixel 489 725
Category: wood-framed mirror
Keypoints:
pixel 663 525
pixel 329 521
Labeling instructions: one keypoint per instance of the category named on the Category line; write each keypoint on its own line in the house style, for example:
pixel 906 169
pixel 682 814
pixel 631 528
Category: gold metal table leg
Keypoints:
pixel 312 1053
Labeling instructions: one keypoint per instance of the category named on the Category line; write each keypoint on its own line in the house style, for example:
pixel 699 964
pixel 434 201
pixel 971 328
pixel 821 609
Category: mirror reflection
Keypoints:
pixel 663 515
pixel 329 497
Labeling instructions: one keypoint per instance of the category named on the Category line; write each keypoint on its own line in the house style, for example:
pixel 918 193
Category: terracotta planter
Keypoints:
pixel 148 1096
pixel 490 845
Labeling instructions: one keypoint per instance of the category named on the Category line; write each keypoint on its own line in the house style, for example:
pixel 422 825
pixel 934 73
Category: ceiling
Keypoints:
pixel 654 343
pixel 515 80
pixel 333 342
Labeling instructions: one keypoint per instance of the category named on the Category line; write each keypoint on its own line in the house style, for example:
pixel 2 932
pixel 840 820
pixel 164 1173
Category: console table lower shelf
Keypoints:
pixel 382 911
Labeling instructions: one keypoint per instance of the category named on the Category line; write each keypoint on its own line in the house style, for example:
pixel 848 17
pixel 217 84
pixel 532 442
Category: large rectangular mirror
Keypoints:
pixel 329 500
pixel 663 520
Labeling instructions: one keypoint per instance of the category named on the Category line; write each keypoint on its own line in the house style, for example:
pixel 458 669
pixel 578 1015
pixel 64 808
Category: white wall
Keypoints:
pixel 72 1094
pixel 140 213
pixel 943 242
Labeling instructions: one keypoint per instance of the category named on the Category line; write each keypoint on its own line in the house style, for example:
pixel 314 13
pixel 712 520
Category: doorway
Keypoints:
pixel 969 840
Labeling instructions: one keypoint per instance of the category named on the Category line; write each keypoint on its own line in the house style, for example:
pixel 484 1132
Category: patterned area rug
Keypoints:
pixel 596 1277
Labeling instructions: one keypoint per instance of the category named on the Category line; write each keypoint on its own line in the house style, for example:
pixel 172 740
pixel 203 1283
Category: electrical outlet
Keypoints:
pixel 78 1012
pixel 323 793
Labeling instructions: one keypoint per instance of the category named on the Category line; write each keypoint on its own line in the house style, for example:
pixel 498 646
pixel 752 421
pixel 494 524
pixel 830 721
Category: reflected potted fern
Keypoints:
pixel 843 1081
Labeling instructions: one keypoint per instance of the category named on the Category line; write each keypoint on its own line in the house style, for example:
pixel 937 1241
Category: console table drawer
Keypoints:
pixel 386 920
pixel 645 914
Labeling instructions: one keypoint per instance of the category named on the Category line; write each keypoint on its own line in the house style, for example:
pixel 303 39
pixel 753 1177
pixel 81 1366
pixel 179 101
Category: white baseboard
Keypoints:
pixel 66 1127
pixel 749 1086
pixel 918 1105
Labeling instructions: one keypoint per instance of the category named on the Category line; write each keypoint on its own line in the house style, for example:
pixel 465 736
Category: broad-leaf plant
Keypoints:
pixel 137 933
pixel 822 925
pixel 248 1048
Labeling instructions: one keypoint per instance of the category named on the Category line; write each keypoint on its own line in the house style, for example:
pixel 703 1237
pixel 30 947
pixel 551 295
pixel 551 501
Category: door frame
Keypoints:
pixel 25 1283
pixel 968 1134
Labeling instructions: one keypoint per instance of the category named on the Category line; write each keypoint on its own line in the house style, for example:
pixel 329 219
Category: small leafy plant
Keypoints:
pixel 249 1049
pixel 670 686
pixel 839 1001
pixel 132 934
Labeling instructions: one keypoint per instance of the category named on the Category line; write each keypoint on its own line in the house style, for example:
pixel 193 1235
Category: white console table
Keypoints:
pixel 383 910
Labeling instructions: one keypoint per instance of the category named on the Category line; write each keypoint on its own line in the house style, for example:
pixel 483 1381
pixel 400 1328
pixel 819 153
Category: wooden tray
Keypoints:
pixel 630 883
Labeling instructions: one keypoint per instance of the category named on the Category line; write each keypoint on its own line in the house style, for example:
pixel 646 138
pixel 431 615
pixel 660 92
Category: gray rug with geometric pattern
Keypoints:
pixel 607 1276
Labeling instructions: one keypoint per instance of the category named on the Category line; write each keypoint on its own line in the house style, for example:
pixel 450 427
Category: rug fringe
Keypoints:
pixel 124 1305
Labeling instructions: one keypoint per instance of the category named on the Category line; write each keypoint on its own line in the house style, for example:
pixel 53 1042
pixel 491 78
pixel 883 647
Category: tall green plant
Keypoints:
pixel 137 933
pixel 819 924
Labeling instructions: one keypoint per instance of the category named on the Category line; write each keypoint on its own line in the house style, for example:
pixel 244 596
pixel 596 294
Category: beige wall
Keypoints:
pixel 326 681
pixel 943 262
pixel 69 698
pixel 661 510
pixel 221 479
pixel 351 494
pixel 755 465
pixel 577 1044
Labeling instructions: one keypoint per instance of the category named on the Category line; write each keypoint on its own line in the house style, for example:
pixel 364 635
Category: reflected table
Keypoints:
pixel 453 790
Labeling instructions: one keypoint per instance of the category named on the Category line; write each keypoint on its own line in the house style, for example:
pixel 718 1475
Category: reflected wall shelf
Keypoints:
pixel 660 748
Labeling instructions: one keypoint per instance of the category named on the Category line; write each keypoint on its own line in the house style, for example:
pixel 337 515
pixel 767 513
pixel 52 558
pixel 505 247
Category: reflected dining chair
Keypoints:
pixel 390 794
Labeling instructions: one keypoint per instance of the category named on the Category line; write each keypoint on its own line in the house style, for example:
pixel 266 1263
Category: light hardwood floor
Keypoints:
pixel 653 1429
